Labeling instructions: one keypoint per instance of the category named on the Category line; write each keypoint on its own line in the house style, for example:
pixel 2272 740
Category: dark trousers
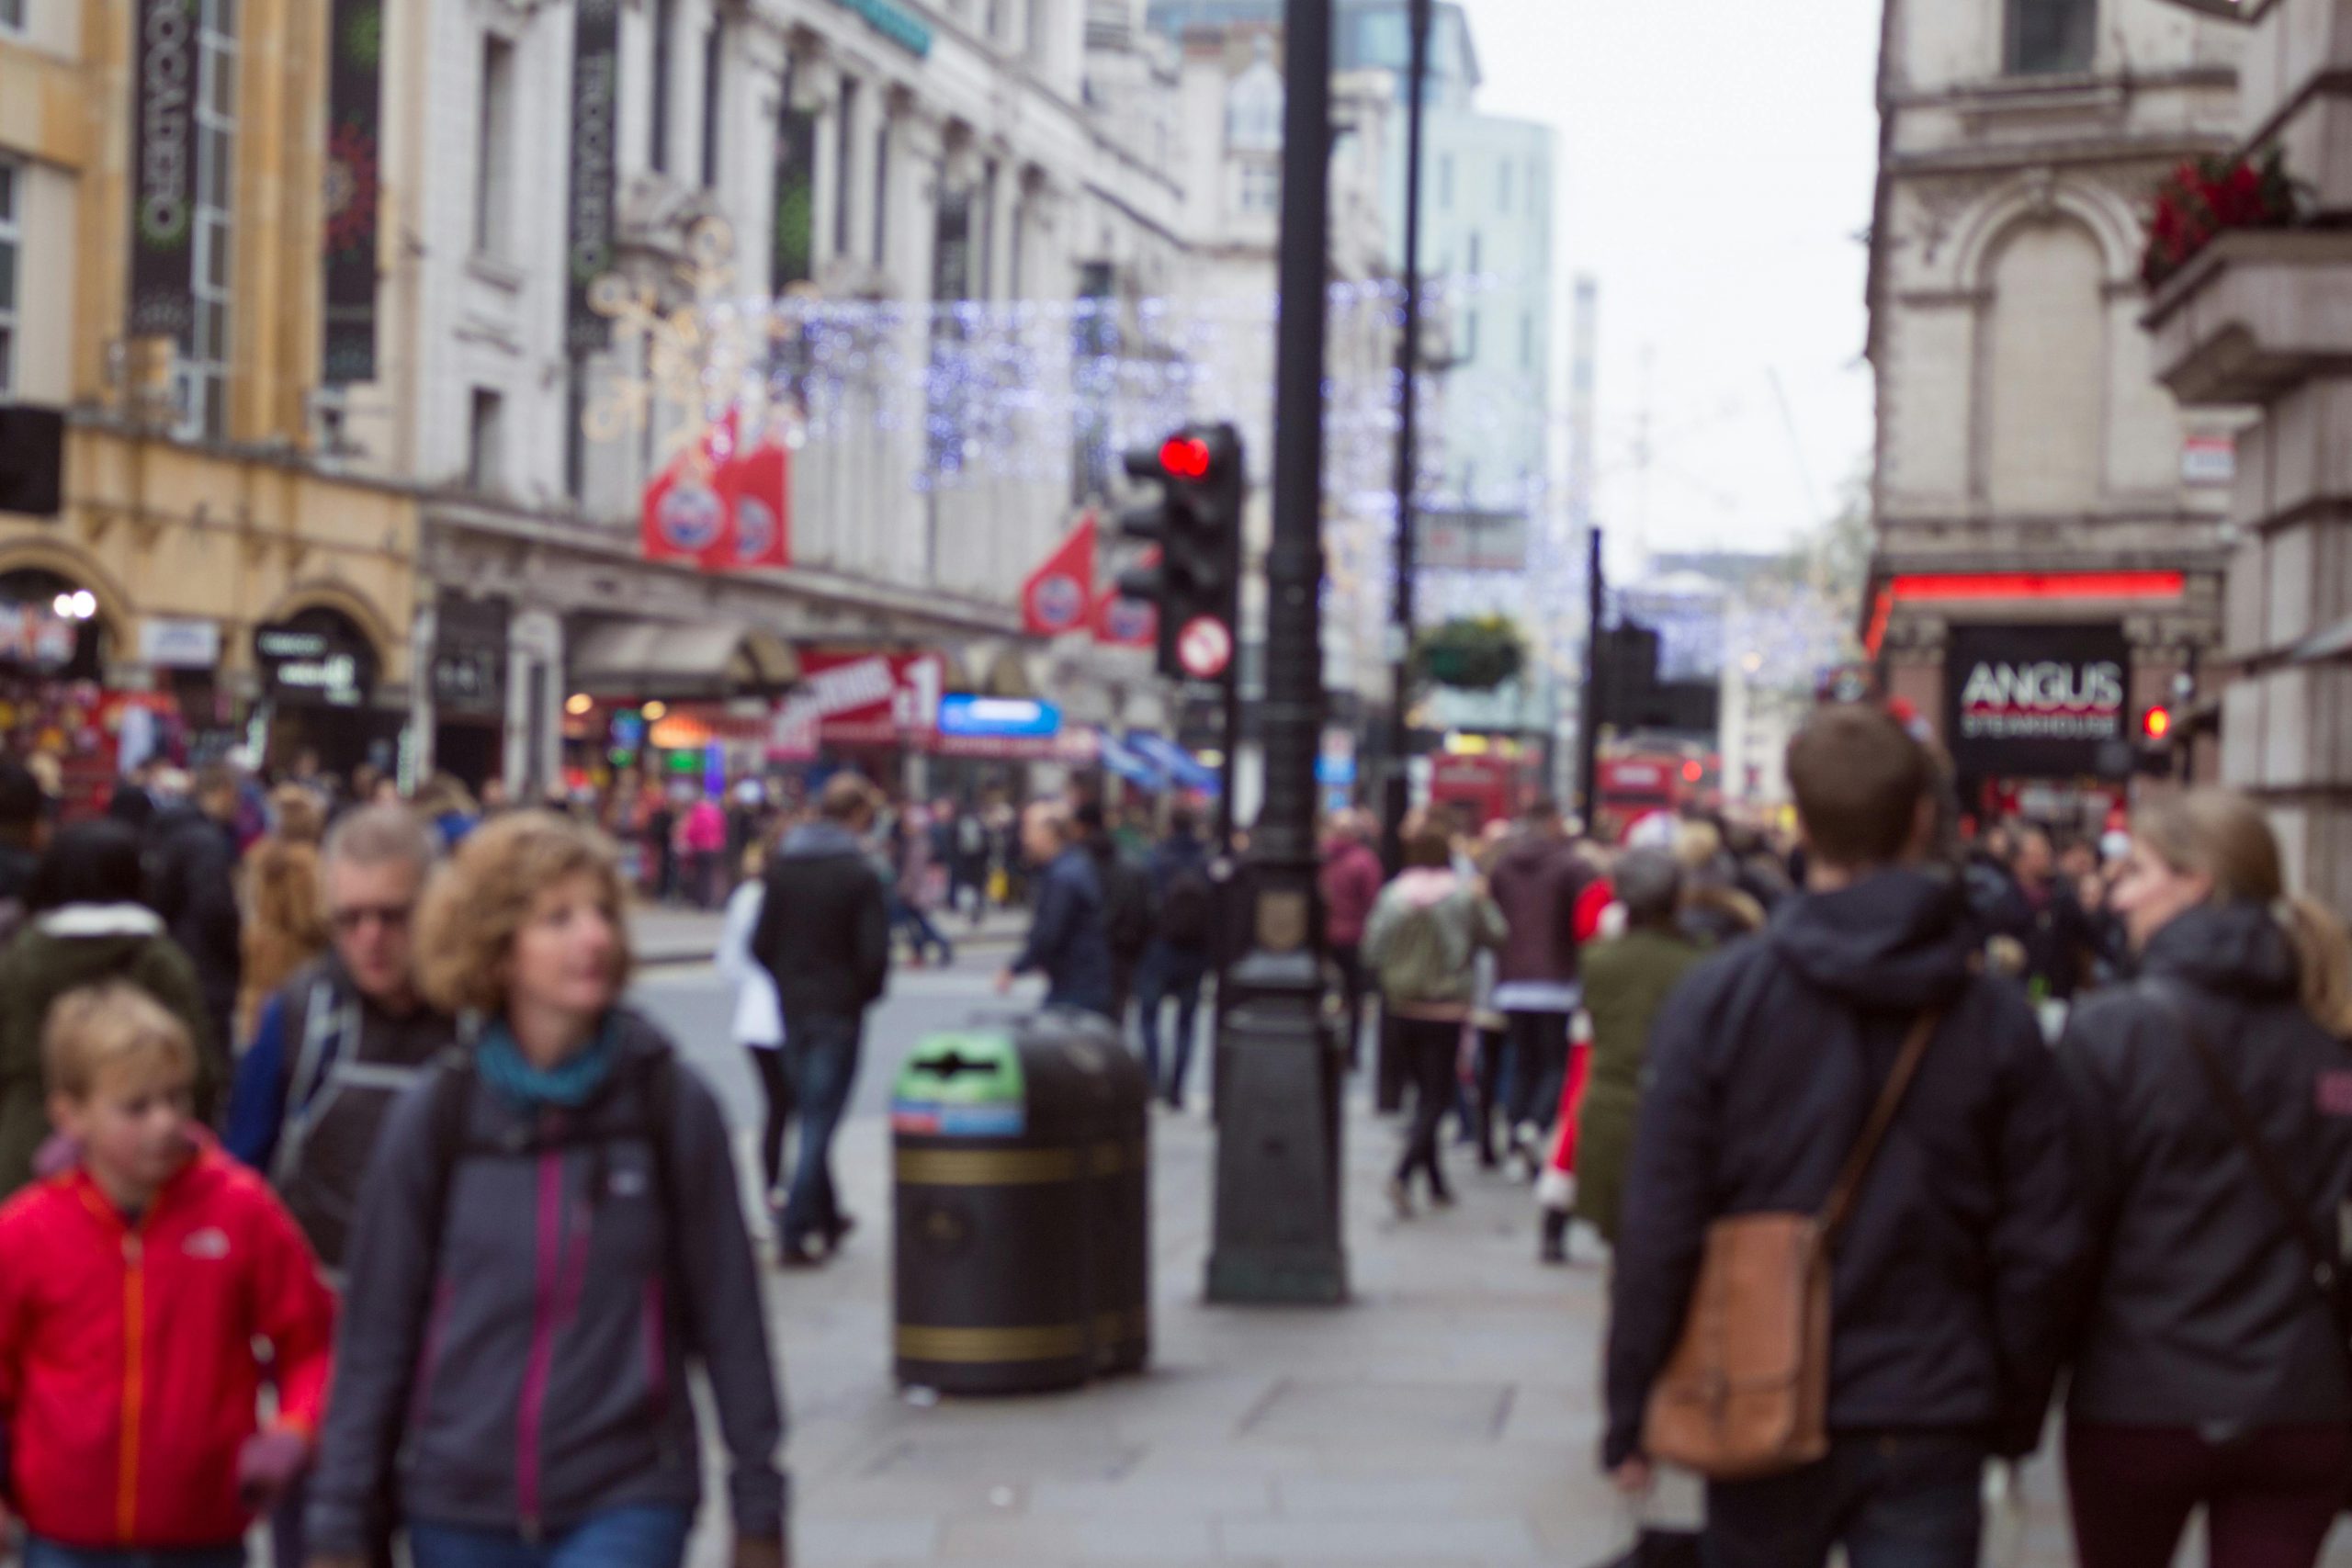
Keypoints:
pixel 1540 1049
pixel 922 935
pixel 1124 969
pixel 1430 1048
pixel 775 1088
pixel 821 1051
pixel 1349 960
pixel 1892 1500
pixel 2270 1498
pixel 1390 1075
pixel 1168 974
pixel 1493 1054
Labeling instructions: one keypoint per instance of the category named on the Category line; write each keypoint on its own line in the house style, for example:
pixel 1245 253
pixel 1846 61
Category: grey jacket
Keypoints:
pixel 535 1373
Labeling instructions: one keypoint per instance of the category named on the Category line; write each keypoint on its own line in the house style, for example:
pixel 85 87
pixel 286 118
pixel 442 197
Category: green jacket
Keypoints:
pixel 1423 940
pixel 1626 982
pixel 78 946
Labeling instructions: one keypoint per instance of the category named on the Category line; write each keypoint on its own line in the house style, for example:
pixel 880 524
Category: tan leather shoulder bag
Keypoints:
pixel 1745 1393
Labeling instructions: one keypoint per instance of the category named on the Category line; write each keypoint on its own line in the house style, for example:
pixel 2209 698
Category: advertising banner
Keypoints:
pixel 1059 595
pixel 2039 702
pixel 355 129
pixel 596 104
pixel 162 171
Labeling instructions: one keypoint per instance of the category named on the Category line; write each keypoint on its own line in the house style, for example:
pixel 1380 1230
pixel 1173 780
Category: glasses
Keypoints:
pixel 391 917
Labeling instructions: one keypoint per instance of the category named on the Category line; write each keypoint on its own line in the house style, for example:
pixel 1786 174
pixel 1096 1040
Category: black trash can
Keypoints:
pixel 1022 1202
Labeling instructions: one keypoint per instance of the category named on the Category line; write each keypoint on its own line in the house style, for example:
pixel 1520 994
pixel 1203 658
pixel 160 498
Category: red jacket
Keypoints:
pixel 1351 881
pixel 127 1381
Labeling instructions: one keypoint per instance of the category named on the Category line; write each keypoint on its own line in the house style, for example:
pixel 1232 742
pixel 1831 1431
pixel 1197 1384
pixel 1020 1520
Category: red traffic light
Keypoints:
pixel 2156 723
pixel 1692 772
pixel 1185 458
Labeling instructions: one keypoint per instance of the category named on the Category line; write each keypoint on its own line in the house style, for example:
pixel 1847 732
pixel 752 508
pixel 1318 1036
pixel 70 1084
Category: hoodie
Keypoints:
pixel 1952 1285
pixel 1423 938
pixel 81 944
pixel 824 931
pixel 1536 883
pixel 533 1370
pixel 2204 1311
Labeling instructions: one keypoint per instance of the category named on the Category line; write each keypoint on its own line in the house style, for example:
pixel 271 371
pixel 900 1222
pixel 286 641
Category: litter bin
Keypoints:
pixel 1022 1236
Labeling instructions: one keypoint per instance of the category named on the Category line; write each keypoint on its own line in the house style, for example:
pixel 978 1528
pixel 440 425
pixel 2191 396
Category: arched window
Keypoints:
pixel 1253 108
pixel 2043 385
pixel 2051 37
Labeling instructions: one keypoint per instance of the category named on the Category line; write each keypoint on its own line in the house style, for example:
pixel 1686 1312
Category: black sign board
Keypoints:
pixel 2035 702
pixel 355 129
pixel 596 104
pixel 312 662
pixel 469 659
pixel 163 169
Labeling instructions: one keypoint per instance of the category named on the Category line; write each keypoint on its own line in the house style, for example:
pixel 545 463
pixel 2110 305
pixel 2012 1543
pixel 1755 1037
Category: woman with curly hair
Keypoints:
pixel 551 1238
pixel 285 926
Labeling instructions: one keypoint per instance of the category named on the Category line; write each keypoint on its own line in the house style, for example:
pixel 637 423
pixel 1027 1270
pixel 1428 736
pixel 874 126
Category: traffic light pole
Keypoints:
pixel 1396 793
pixel 1589 722
pixel 1277 1227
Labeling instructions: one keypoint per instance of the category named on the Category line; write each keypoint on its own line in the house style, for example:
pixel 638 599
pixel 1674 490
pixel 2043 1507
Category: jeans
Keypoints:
pixel 1430 1048
pixel 2270 1498
pixel 921 934
pixel 821 1053
pixel 1168 972
pixel 48 1554
pixel 1540 1046
pixel 622 1538
pixel 1891 1499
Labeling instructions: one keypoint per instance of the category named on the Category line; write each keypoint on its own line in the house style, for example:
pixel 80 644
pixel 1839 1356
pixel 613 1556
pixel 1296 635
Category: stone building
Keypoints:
pixel 2048 520
pixel 2264 320
pixel 208 581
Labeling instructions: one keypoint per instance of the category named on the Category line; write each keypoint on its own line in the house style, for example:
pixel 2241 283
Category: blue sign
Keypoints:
pixel 1333 768
pixel 892 23
pixel 1129 765
pixel 999 719
pixel 1181 765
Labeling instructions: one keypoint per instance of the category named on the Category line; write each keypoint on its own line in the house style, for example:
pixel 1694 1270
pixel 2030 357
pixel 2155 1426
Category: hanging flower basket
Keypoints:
pixel 1472 653
pixel 2206 197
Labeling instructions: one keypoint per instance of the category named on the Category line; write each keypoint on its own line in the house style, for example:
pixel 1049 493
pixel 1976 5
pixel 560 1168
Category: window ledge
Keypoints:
pixel 496 272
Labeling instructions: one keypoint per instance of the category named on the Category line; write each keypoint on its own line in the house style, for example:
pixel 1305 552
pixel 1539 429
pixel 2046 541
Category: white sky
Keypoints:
pixel 1717 160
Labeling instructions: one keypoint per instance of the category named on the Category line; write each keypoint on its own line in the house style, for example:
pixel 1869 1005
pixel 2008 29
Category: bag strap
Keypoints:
pixel 2240 1116
pixel 1843 1196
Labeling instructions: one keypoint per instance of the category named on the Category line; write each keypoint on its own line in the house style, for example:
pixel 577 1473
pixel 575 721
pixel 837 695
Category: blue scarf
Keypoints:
pixel 567 1085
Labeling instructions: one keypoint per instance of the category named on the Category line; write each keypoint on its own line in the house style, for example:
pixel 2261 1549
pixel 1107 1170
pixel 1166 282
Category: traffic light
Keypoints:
pixel 2155 725
pixel 1196 525
pixel 2155 753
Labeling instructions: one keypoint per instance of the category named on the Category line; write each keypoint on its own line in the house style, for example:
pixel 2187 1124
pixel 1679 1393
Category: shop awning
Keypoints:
pixel 654 659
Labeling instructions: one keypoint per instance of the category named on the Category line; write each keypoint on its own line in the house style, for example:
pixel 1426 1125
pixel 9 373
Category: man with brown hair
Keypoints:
pixel 824 934
pixel 1948 1286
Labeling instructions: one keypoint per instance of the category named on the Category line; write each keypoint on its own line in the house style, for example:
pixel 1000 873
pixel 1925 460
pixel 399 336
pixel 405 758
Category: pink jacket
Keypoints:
pixel 705 829
pixel 1351 881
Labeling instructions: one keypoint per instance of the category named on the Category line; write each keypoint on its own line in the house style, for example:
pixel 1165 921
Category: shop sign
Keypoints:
pixel 1010 719
pixel 893 22
pixel 867 699
pixel 36 637
pixel 469 658
pixel 304 666
pixel 168 644
pixel 163 169
pixel 2209 460
pixel 2029 701
pixel 354 121
pixel 589 218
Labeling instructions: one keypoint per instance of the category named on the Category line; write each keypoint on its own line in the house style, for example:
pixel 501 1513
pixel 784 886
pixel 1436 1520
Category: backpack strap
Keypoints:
pixel 1848 1188
pixel 453 1094
pixel 326 1026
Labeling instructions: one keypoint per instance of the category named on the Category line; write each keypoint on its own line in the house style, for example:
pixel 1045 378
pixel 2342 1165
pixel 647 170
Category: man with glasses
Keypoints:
pixel 338 1045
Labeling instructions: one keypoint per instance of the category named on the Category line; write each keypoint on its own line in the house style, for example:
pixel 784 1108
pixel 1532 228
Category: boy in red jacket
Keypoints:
pixel 132 1288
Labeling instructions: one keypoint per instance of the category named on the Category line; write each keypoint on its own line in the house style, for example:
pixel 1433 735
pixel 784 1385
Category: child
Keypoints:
pixel 132 1288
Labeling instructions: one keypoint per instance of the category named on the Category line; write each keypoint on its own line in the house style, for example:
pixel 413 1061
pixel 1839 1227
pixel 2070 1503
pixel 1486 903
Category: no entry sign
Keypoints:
pixel 1205 648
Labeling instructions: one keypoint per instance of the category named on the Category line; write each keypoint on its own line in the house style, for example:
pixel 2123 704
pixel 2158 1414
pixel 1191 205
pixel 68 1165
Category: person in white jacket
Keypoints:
pixel 759 1016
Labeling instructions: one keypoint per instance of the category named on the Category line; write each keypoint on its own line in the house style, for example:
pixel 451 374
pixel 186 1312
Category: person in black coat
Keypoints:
pixel 1068 936
pixel 1126 903
pixel 824 934
pixel 192 883
pixel 2212 1369
pixel 1950 1287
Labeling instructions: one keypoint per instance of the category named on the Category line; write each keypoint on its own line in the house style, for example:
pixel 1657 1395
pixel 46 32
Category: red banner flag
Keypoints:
pixel 1128 623
pixel 1059 595
pixel 686 514
pixel 759 489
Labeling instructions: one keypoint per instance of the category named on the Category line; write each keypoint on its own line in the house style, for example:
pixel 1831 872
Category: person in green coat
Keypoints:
pixel 86 922
pixel 1626 982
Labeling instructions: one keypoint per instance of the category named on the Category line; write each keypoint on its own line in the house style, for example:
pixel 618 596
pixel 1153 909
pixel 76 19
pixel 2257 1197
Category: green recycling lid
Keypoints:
pixel 961 1085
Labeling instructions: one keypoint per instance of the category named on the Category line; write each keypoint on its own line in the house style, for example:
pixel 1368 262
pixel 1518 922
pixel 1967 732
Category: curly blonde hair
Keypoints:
pixel 476 903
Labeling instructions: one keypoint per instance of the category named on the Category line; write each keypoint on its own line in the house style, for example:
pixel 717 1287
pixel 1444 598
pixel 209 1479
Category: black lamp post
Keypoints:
pixel 1397 791
pixel 1277 1235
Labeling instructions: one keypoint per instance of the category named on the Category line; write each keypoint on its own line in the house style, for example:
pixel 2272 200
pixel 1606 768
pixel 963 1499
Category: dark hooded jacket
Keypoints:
pixel 2204 1311
pixel 192 881
pixel 1536 883
pixel 1950 1288
pixel 824 930
pixel 1069 941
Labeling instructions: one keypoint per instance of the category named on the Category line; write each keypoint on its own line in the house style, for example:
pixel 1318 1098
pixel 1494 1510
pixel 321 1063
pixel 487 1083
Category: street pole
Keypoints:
pixel 1277 1235
pixel 1397 794
pixel 1589 723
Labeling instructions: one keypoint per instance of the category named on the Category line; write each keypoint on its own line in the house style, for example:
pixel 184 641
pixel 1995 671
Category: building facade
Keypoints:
pixel 2263 321
pixel 206 584
pixel 2048 520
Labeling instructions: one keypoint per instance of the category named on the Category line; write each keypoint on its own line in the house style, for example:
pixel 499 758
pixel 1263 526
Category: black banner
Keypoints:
pixel 2035 702
pixel 469 658
pixel 595 102
pixel 355 130
pixel 162 171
